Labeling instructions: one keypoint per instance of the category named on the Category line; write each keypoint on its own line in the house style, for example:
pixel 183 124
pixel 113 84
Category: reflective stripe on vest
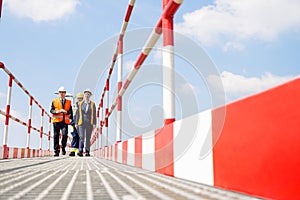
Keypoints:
pixel 80 112
pixel 60 116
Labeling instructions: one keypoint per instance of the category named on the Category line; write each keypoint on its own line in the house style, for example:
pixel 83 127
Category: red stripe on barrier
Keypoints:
pixel 164 158
pixel 169 121
pixel 140 60
pixel 258 150
pixel 11 77
pixel 15 155
pixel 5 151
pixel 1 64
pixel 7 115
pixel 138 151
pixel 158 26
pixel 124 151
pixel 128 13
pixel 110 71
pixel 119 98
pixel 41 132
pixel 20 84
pixel 127 82
pixel 22 153
pixel 120 44
pixel 171 9
pixel 114 58
pixel 168 32
pixel 107 85
pixel 0 9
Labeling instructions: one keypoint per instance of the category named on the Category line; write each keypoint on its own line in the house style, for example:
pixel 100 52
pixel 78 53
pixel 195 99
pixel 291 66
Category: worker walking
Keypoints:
pixel 74 132
pixel 61 117
pixel 85 121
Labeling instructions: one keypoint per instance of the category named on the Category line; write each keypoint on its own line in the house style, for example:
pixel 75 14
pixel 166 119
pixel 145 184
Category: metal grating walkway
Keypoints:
pixel 92 178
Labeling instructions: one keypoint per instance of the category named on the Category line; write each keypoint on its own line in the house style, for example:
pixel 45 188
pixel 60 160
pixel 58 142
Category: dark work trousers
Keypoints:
pixel 75 140
pixel 64 130
pixel 85 132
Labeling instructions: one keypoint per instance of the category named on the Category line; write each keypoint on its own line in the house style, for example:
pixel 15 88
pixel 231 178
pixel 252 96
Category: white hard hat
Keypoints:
pixel 87 90
pixel 62 89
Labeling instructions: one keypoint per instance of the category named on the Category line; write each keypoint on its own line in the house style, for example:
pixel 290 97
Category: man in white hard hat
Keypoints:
pixel 85 122
pixel 61 110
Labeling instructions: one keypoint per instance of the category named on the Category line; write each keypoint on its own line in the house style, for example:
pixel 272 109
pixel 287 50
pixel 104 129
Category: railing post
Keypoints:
pixel 106 112
pixel 29 122
pixel 97 130
pixel 168 67
pixel 101 123
pixel 41 130
pixel 49 132
pixel 120 68
pixel 8 100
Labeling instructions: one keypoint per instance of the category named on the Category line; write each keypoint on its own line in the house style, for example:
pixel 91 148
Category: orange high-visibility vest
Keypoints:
pixel 80 112
pixel 60 116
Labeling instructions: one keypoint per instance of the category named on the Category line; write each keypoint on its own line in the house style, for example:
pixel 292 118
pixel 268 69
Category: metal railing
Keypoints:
pixel 8 116
pixel 163 27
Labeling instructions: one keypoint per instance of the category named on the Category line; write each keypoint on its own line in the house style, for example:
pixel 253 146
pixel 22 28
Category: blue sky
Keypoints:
pixel 255 44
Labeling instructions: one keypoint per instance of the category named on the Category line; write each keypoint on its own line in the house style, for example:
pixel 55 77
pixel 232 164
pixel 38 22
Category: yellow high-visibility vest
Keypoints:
pixel 80 112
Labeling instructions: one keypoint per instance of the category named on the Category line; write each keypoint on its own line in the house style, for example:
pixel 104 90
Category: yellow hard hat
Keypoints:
pixel 80 95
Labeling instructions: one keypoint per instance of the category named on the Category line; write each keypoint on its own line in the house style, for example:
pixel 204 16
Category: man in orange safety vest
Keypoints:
pixel 61 110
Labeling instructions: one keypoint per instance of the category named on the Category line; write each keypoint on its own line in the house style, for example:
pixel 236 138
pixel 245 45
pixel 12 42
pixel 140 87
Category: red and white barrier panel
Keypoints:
pixel 24 153
pixel 256 152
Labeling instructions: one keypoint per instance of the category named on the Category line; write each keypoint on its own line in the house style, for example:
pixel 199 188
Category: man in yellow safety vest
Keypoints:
pixel 85 122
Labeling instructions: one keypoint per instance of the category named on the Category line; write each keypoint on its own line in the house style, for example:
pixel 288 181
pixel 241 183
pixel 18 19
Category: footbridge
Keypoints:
pixel 248 149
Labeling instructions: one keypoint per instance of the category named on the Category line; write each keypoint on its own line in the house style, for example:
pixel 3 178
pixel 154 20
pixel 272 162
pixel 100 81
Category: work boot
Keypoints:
pixel 72 153
pixel 79 154
pixel 56 154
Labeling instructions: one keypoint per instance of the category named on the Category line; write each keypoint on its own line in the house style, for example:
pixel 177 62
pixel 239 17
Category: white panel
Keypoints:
pixel 19 153
pixel 190 136
pixel 148 151
pixel 11 152
pixel 131 151
pixel 120 146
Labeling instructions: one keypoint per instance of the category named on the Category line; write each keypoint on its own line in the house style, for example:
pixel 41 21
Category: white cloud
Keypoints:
pixel 237 86
pixel 234 21
pixel 42 10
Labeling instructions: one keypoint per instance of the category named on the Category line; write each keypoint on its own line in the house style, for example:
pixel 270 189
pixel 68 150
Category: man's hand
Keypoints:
pixel 63 111
pixel 94 126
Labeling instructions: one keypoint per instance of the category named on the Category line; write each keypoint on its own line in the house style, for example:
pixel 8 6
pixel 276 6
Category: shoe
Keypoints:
pixel 87 154
pixel 72 154
pixel 56 154
pixel 79 154
pixel 63 152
